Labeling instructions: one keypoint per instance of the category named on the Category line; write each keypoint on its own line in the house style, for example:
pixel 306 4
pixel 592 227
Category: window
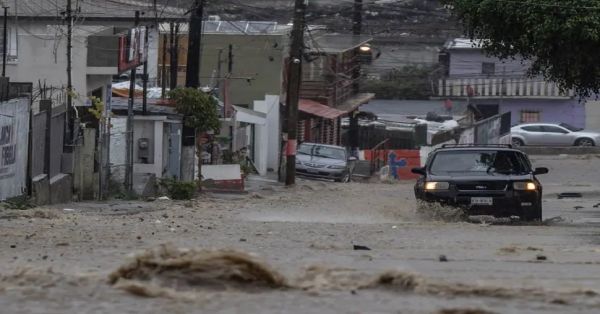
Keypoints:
pixel 488 68
pixel 478 163
pixel 554 129
pixel 530 116
pixel 11 44
pixel 532 128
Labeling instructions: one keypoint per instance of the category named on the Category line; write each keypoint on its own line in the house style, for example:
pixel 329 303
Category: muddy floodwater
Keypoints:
pixel 319 247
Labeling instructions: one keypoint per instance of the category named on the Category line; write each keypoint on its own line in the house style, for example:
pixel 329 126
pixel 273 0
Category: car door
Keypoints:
pixel 556 136
pixel 533 134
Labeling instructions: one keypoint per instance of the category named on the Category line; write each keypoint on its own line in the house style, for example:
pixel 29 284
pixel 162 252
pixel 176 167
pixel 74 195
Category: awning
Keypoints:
pixel 316 109
pixel 356 101
pixel 250 116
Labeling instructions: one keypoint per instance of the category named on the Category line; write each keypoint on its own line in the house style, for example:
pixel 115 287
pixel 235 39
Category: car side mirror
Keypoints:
pixel 541 170
pixel 352 158
pixel 420 170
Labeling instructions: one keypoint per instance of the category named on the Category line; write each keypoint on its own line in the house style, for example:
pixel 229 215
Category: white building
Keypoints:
pixel 37 42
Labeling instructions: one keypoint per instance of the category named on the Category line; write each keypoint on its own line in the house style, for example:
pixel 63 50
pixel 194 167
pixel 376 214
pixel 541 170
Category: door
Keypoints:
pixel 174 163
pixel 556 136
pixel 488 110
pixel 533 134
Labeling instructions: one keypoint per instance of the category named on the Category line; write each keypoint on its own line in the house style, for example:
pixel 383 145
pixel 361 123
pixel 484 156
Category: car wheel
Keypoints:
pixel 344 179
pixel 534 214
pixel 517 142
pixel 584 142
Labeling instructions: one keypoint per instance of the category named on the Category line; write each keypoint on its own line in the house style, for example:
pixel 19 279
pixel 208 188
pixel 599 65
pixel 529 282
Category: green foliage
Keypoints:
pixel 198 108
pixel 409 82
pixel 19 203
pixel 561 37
pixel 179 190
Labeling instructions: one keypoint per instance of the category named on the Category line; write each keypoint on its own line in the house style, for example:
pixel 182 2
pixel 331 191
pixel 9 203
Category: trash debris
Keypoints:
pixel 243 240
pixel 443 258
pixel 164 198
pixel 394 227
pixel 62 244
pixel 68 209
pixel 361 248
pixel 464 311
pixel 597 205
pixel 569 195
pixel 578 207
pixel 541 257
pixel 12 246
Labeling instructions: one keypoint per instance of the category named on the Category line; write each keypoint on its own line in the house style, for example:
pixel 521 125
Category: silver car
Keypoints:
pixel 324 162
pixel 547 134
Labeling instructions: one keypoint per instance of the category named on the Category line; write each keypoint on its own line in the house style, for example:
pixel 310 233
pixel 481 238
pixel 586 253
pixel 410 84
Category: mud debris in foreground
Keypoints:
pixel 172 272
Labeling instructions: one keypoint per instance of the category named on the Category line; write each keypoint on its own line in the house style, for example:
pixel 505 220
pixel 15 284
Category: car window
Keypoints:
pixel 305 149
pixel 329 152
pixel 570 127
pixel 488 162
pixel 554 129
pixel 532 128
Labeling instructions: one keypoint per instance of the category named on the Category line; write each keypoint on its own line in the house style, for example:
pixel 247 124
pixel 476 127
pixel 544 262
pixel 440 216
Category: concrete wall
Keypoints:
pixel 270 132
pixel 257 56
pixel 592 115
pixel 469 62
pixel 14 147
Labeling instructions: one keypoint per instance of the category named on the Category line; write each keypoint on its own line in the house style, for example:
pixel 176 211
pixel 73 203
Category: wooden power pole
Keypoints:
pixel 192 77
pixel 294 79
pixel 129 138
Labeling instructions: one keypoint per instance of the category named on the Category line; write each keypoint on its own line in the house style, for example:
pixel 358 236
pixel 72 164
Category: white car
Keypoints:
pixel 549 134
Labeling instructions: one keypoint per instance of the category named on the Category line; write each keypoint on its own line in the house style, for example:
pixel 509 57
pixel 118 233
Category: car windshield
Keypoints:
pixel 474 162
pixel 322 151
pixel 570 127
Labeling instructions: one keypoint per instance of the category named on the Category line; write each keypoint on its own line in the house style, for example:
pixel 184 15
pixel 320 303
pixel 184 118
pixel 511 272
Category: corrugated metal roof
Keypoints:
pixel 234 27
pixel 336 43
pixel 316 109
pixel 104 9
pixel 464 43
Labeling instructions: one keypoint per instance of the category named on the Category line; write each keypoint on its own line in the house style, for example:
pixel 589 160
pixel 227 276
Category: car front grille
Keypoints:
pixel 481 186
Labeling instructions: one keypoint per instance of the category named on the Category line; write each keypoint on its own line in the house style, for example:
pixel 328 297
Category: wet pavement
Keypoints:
pixel 58 261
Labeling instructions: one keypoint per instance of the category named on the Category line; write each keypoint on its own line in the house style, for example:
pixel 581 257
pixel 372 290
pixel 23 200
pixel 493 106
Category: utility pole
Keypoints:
pixel 228 81
pixel 192 78
pixel 5 41
pixel 353 132
pixel 163 70
pixel 356 31
pixel 294 79
pixel 129 142
pixel 145 75
pixel 70 109
pixel 174 56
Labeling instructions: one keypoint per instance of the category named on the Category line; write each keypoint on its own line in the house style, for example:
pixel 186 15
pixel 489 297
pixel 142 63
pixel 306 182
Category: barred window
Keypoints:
pixel 528 116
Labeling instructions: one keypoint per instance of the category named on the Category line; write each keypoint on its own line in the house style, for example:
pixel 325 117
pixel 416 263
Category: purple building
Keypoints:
pixel 492 86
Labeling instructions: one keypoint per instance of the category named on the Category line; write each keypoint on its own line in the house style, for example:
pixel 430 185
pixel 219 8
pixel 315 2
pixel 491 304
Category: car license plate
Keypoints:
pixel 482 201
pixel 312 171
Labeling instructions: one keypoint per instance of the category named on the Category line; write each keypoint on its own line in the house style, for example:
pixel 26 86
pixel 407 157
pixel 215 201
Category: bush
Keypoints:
pixel 179 190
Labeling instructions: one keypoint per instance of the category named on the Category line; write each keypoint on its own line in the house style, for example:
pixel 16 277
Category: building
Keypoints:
pixel 491 86
pixel 37 42
pixel 329 89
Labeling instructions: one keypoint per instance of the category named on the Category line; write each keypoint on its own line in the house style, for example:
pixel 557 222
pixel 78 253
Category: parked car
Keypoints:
pixel 324 162
pixel 547 134
pixel 485 180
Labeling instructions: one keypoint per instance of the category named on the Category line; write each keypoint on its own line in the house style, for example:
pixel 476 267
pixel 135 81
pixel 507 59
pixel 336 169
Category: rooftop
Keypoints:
pixel 93 9
pixel 234 27
pixel 463 43
pixel 336 43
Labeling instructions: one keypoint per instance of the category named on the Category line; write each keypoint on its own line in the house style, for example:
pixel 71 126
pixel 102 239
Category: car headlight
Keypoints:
pixel 336 167
pixel 525 186
pixel 430 186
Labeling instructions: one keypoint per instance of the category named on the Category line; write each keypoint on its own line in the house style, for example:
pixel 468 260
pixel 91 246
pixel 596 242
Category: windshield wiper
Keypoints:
pixel 317 155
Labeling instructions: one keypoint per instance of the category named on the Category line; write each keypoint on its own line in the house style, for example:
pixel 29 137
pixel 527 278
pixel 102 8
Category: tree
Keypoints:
pixel 409 82
pixel 560 37
pixel 199 111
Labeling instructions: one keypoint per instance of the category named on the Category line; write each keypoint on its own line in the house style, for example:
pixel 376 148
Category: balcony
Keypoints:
pixel 507 87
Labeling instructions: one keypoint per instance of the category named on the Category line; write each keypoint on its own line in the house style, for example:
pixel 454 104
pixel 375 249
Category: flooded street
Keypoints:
pixel 315 248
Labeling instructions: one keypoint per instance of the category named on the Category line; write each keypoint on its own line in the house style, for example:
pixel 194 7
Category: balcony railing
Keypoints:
pixel 510 87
